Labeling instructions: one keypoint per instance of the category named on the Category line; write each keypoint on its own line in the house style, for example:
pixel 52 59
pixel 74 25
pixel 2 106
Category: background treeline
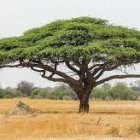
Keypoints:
pixel 119 91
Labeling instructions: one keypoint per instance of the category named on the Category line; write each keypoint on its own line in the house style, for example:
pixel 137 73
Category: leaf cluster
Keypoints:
pixel 83 37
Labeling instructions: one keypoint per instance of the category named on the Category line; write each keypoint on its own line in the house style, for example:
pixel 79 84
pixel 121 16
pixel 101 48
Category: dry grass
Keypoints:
pixel 60 119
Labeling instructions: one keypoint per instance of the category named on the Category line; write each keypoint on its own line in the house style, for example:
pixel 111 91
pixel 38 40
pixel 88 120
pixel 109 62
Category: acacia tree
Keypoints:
pixel 88 47
pixel 25 88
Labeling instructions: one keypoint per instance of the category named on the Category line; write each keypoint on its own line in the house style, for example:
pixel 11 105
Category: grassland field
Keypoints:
pixel 60 120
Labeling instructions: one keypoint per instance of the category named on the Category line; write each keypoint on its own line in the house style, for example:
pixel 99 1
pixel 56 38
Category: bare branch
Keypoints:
pixel 94 66
pixel 10 66
pixel 40 67
pixel 55 68
pixel 71 67
pixel 117 77
pixel 36 69
pixel 53 79
pixel 99 74
pixel 65 77
pixel 104 67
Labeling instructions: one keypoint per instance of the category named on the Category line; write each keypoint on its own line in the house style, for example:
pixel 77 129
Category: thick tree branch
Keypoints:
pixel 99 74
pixel 94 66
pixel 99 68
pixel 117 77
pixel 53 79
pixel 40 67
pixel 71 67
pixel 46 68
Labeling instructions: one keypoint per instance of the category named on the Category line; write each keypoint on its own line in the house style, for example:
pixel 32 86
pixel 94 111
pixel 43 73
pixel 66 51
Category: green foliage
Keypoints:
pixel 120 91
pixel 62 92
pixel 57 93
pixel 39 93
pixel 9 93
pixel 82 37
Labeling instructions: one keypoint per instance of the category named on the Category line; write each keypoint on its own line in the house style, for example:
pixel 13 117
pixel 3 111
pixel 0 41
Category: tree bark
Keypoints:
pixel 84 102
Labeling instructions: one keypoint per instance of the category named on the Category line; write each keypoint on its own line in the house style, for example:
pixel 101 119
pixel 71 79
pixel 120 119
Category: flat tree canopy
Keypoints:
pixel 87 46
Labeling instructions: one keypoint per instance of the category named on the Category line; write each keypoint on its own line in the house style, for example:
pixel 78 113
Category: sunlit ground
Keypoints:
pixel 60 120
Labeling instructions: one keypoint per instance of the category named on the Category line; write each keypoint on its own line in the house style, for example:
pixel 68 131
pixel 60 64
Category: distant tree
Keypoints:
pixel 120 91
pixel 87 46
pixel 123 92
pixel 25 88
pixel 63 92
pixel 39 93
pixel 59 93
pixel 99 93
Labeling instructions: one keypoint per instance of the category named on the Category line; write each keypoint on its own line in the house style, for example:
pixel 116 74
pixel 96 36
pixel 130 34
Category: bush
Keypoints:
pixel 38 93
pixel 63 92
pixel 58 94
pixel 102 92
pixel 9 93
pixel 120 91
pixel 123 92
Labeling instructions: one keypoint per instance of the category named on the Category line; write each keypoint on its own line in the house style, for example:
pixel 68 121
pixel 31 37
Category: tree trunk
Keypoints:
pixel 84 103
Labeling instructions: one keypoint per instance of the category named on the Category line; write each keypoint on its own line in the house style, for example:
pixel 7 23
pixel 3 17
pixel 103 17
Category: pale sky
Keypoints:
pixel 17 16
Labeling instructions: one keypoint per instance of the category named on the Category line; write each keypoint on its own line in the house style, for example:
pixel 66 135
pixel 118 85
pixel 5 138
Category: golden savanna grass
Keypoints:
pixel 59 119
